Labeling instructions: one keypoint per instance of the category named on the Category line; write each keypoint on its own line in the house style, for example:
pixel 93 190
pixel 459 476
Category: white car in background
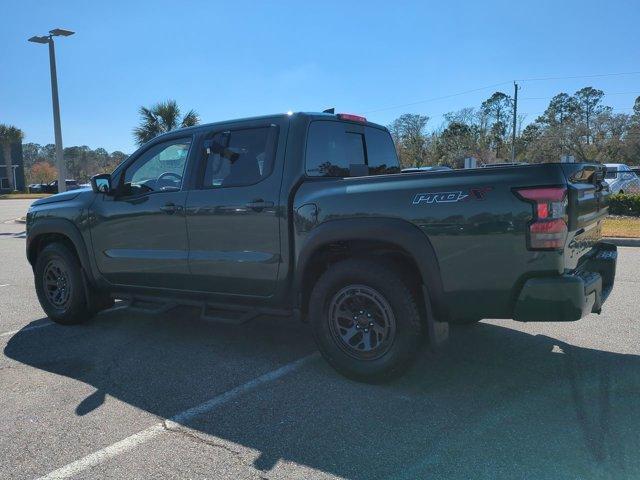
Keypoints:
pixel 621 179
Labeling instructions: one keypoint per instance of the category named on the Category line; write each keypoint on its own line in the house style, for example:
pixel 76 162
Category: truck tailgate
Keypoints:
pixel 587 207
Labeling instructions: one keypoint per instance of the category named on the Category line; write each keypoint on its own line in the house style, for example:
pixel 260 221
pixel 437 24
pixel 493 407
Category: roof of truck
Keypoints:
pixel 319 115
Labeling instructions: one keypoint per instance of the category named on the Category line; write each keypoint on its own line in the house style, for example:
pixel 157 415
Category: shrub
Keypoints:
pixel 624 204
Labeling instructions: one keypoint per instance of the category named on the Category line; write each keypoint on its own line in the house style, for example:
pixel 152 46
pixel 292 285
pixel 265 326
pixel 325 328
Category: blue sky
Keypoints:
pixel 243 58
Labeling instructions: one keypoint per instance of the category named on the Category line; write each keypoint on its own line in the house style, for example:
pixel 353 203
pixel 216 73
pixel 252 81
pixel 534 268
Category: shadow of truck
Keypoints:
pixel 495 403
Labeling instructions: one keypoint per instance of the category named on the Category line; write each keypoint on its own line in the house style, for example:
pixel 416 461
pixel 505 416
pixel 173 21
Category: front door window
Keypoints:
pixel 161 168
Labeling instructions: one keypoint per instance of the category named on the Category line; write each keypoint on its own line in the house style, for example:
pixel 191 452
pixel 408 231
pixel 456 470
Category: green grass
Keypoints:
pixel 623 227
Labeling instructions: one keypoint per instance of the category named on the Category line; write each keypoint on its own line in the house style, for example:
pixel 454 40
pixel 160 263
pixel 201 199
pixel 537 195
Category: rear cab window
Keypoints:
pixel 332 147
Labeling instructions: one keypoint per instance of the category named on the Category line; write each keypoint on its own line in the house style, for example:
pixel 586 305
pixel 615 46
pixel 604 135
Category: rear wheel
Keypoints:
pixel 365 320
pixel 60 286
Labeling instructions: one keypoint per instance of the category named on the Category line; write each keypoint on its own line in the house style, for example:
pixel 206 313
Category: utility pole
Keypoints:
pixel 57 130
pixel 515 120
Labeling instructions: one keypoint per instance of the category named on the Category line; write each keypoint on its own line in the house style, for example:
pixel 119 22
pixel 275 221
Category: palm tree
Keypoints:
pixel 160 118
pixel 8 136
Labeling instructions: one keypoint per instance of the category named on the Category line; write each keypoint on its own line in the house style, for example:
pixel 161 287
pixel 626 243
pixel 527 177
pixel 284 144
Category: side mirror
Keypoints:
pixel 101 183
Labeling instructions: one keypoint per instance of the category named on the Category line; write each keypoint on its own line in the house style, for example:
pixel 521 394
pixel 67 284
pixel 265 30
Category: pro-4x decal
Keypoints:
pixel 476 193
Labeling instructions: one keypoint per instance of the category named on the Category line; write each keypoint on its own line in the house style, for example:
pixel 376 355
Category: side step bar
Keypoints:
pixel 209 311
pixel 147 306
pixel 237 317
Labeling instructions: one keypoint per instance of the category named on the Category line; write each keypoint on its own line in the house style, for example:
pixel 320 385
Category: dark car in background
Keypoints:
pixel 52 187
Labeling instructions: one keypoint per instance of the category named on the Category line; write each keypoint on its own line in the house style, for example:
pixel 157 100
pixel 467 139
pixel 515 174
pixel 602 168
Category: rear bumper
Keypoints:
pixel 570 296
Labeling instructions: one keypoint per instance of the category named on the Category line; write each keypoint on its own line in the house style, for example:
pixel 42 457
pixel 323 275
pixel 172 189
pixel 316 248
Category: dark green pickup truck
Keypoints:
pixel 308 215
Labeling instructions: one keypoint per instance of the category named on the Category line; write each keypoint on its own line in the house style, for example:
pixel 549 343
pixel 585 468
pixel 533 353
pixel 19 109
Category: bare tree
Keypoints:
pixel 588 104
pixel 408 132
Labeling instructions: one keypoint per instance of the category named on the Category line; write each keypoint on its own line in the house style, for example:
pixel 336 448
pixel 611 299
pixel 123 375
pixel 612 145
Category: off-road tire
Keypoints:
pixel 69 307
pixel 385 283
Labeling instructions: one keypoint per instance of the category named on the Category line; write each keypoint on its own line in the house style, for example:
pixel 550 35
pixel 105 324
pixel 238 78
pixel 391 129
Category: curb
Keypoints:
pixel 622 242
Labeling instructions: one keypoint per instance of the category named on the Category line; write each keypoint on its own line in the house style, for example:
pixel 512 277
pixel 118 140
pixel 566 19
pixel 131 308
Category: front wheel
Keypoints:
pixel 59 285
pixel 365 320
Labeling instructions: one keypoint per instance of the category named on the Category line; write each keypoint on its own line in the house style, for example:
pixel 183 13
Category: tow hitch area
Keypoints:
pixel 571 296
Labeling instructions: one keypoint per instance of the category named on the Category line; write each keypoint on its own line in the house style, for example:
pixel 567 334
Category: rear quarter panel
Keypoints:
pixel 479 238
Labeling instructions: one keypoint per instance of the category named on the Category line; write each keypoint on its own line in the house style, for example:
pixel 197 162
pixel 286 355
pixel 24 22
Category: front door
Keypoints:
pixel 139 236
pixel 232 214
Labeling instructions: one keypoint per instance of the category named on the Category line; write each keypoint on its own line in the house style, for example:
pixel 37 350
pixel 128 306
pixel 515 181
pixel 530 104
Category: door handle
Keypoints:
pixel 170 208
pixel 259 204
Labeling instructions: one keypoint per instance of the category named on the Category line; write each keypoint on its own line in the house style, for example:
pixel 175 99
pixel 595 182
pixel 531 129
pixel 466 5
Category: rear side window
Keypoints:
pixel 381 153
pixel 239 157
pixel 332 149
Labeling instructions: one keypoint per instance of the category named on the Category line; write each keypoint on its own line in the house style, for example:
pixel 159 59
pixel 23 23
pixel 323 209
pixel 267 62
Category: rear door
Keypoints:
pixel 233 211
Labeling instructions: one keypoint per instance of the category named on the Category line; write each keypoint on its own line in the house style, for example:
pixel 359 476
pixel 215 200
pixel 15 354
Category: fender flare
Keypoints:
pixel 395 231
pixel 66 228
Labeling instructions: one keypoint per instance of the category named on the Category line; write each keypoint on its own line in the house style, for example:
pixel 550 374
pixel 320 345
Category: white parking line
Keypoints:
pixel 5 285
pixel 26 329
pixel 115 449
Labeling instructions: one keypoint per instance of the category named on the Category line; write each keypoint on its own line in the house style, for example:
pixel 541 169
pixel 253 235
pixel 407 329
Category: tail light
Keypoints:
pixel 548 229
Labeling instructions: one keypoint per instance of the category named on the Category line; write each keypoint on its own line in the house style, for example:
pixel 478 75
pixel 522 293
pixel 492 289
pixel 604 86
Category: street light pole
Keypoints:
pixel 62 176
pixel 57 129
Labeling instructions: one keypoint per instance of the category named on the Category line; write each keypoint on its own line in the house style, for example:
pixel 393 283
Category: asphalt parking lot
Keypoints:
pixel 130 395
